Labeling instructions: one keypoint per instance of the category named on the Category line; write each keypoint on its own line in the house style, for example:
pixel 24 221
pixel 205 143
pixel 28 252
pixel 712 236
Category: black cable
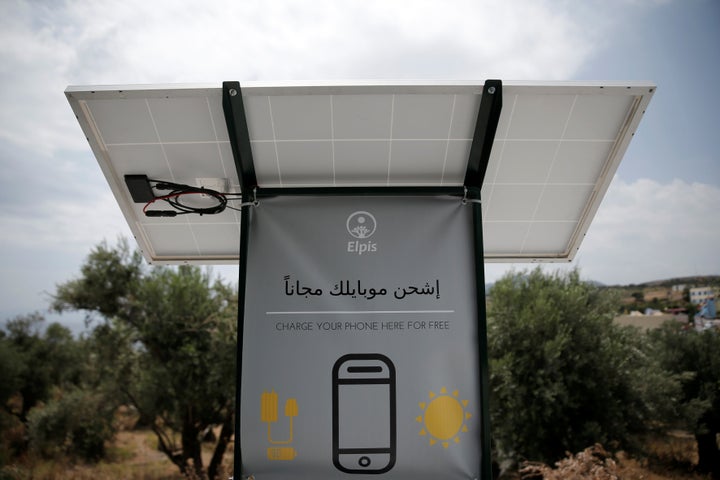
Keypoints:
pixel 178 190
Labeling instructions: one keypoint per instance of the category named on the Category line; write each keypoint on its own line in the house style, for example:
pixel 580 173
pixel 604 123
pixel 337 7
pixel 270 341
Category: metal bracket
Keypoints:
pixel 484 136
pixel 238 133
pixel 253 202
pixel 466 200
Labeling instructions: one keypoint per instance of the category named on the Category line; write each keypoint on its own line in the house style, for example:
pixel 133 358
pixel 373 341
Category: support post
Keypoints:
pixel 483 139
pixel 236 123
pixel 242 281
pixel 482 344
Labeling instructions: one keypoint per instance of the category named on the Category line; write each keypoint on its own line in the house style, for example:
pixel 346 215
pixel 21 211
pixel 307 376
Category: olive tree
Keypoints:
pixel 167 339
pixel 695 356
pixel 563 376
pixel 42 367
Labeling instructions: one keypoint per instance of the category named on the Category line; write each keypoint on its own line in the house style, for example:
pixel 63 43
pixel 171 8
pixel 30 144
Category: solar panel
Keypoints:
pixel 556 149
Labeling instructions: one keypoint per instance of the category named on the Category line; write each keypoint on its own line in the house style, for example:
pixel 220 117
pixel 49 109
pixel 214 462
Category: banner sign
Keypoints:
pixel 360 340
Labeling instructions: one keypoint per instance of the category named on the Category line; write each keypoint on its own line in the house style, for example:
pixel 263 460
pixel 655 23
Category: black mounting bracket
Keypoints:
pixel 484 136
pixel 239 136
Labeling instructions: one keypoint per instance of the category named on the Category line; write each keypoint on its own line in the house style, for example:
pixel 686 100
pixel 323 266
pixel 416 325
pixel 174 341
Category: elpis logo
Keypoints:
pixel 361 225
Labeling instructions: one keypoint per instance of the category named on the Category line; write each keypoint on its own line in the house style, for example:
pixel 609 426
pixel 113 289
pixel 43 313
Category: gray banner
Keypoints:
pixel 360 341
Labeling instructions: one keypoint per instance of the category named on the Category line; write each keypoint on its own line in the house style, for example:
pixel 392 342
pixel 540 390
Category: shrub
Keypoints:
pixel 563 376
pixel 76 424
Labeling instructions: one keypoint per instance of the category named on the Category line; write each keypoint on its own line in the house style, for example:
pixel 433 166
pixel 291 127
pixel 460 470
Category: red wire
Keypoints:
pixel 172 195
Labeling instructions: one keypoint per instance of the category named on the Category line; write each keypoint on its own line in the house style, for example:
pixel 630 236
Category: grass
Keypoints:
pixel 60 470
pixel 133 455
pixel 672 456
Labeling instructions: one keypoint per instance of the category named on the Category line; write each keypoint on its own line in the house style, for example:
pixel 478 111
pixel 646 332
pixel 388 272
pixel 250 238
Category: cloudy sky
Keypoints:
pixel 660 217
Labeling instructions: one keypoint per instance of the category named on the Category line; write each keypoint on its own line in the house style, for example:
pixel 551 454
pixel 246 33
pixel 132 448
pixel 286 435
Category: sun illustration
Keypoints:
pixel 443 417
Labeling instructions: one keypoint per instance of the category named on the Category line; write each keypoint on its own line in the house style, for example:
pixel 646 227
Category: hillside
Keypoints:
pixel 657 295
pixel 699 280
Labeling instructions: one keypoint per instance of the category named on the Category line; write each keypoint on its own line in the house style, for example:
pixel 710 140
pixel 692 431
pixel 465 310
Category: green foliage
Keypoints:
pixel 166 346
pixel 37 361
pixel 165 343
pixel 563 376
pixel 12 438
pixel 12 372
pixel 107 276
pixel 77 423
pixel 36 364
pixel 695 358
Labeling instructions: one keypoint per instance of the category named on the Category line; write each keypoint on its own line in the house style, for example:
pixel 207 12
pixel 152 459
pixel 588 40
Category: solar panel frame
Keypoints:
pixel 537 202
pixel 637 95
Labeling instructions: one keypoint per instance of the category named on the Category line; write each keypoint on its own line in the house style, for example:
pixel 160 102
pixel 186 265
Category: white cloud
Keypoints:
pixel 647 230
pixel 178 41
pixel 644 231
pixel 64 225
pixel 45 47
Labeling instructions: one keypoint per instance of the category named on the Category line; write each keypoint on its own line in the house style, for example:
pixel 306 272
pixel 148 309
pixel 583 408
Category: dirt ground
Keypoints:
pixel 133 455
pixel 672 456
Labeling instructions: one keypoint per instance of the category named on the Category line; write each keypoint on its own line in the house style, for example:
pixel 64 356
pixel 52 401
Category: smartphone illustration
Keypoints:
pixel 364 418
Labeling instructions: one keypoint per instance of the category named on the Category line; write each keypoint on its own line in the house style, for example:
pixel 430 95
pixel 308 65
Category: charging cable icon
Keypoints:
pixel 269 415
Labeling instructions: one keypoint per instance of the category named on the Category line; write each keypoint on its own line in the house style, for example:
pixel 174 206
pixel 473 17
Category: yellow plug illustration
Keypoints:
pixel 291 409
pixel 269 414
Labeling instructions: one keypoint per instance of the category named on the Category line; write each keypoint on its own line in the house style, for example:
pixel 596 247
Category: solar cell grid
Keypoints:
pixel 554 154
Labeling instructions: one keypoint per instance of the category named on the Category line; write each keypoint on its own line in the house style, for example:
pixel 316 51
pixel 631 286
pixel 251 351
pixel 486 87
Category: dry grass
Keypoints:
pixel 593 463
pixel 100 471
pixel 670 457
pixel 133 455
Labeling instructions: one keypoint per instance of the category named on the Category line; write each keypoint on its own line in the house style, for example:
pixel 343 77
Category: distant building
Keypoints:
pixel 700 294
pixel 708 309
